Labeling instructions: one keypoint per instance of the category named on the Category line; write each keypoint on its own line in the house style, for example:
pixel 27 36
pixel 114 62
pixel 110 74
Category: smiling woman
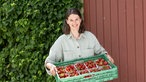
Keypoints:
pixel 75 43
pixel 69 17
pixel 74 23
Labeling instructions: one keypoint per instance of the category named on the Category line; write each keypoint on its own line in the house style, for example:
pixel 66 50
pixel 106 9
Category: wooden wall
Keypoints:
pixel 120 26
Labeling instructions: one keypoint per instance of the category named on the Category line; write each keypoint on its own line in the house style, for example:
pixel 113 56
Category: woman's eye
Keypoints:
pixel 71 20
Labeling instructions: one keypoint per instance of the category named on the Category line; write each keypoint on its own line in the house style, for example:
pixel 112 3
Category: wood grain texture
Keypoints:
pixel 120 26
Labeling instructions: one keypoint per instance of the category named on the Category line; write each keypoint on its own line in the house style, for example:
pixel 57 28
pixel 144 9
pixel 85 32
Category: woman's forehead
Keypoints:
pixel 73 16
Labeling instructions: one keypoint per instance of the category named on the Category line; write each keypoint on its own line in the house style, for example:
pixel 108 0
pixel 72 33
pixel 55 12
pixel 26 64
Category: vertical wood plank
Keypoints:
pixel 144 17
pixel 107 29
pixel 139 41
pixel 87 14
pixel 99 21
pixel 122 41
pixel 114 34
pixel 131 41
pixel 93 16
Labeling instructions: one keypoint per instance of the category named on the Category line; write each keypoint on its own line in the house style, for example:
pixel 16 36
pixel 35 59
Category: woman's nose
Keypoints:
pixel 74 22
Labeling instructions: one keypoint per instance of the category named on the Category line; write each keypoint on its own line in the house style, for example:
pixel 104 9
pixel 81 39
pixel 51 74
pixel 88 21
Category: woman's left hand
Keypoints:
pixel 110 58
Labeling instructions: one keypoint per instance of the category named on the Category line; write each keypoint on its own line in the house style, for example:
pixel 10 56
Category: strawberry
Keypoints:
pixel 105 62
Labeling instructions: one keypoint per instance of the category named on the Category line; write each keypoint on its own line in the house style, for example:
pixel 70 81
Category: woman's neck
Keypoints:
pixel 75 34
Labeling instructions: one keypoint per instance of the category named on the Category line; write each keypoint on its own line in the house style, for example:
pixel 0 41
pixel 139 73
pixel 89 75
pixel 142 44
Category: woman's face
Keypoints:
pixel 74 22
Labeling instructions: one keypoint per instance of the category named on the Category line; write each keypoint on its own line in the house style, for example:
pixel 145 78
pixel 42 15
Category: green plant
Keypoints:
pixel 28 28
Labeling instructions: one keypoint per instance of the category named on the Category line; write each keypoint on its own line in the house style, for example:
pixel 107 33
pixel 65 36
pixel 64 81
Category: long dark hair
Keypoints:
pixel 66 28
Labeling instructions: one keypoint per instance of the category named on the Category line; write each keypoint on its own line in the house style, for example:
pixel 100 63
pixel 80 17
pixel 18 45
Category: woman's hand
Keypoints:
pixel 110 58
pixel 52 68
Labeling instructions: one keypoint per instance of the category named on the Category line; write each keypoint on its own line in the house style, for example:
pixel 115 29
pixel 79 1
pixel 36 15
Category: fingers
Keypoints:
pixel 110 58
pixel 53 70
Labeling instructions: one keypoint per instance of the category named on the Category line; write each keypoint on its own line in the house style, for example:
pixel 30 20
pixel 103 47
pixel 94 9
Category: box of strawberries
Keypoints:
pixel 91 69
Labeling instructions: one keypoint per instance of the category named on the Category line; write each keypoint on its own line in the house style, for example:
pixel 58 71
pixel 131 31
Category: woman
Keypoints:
pixel 75 43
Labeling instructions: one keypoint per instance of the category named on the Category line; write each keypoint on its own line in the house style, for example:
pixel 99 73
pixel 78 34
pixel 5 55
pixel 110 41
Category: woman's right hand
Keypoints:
pixel 52 68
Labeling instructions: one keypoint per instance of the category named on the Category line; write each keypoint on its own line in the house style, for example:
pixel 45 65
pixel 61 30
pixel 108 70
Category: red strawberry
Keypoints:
pixel 105 62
